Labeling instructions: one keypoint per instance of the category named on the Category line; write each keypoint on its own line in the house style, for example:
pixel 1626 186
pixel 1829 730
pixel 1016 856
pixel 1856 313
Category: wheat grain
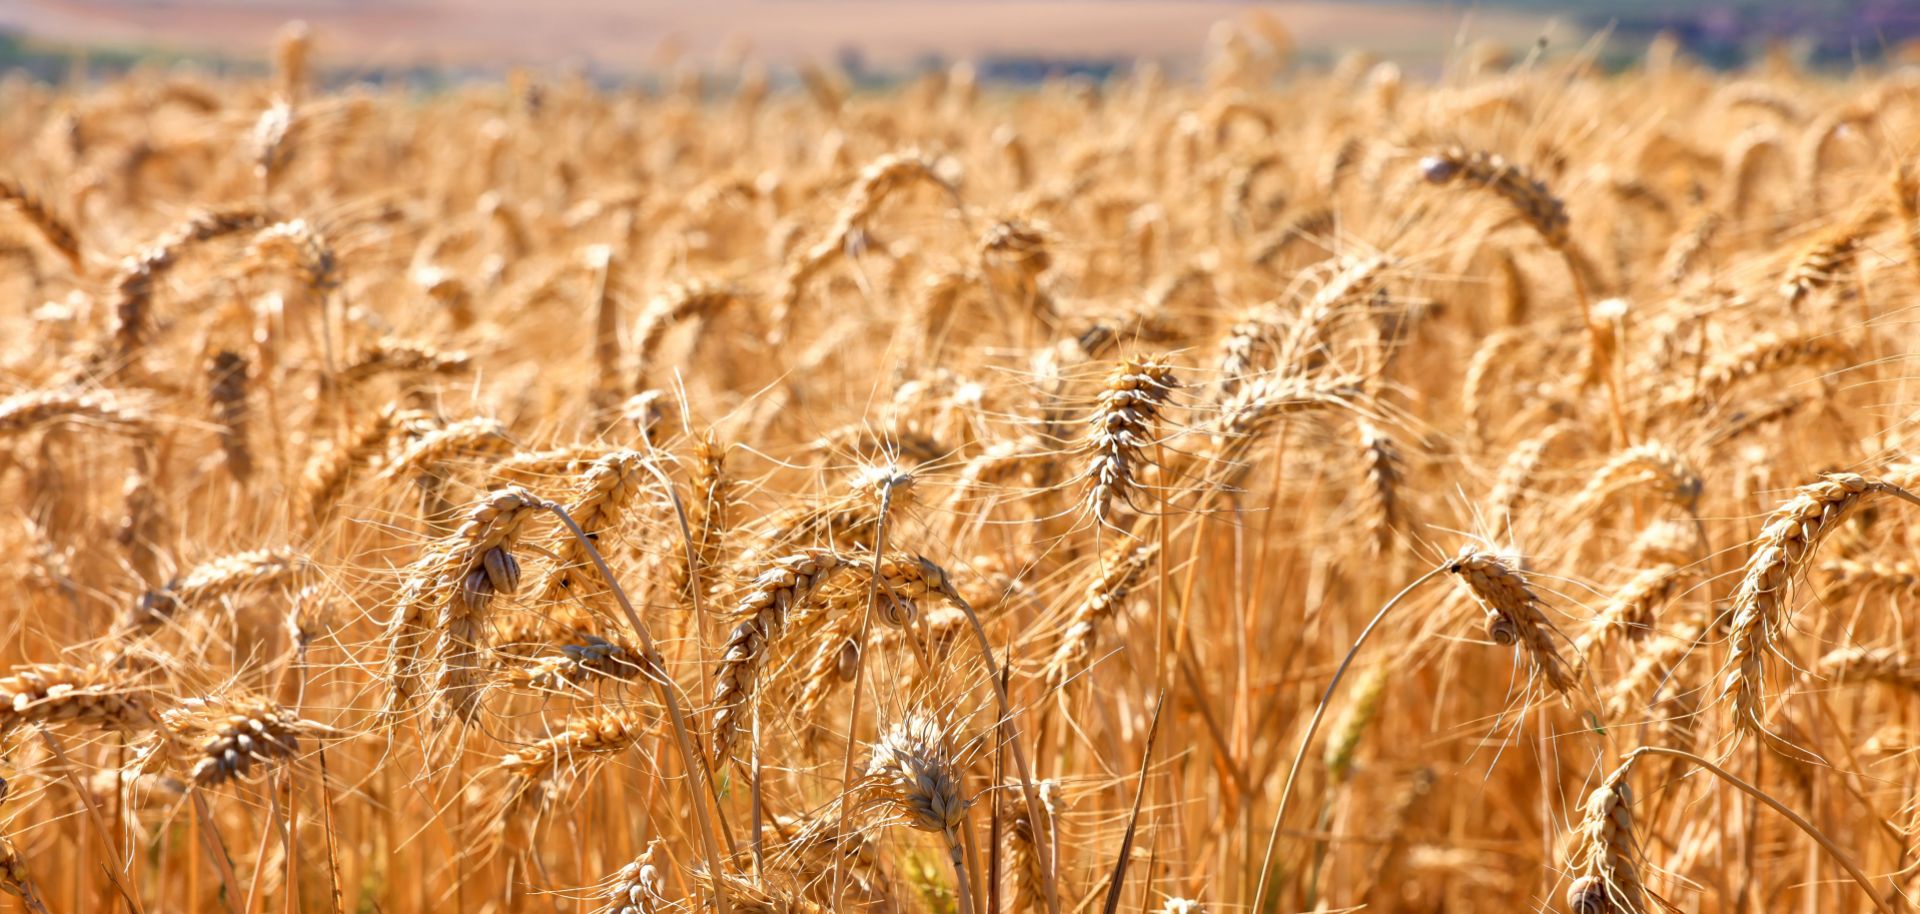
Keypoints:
pixel 55 231
pixel 762 611
pixel 1650 461
pixel 1119 567
pixel 1121 428
pixel 133 289
pixel 1855 664
pixel 1606 853
pixel 1528 196
pixel 26 412
pixel 1762 600
pixel 51 695
pixel 393 355
pixel 227 393
pixel 603 494
pixel 1765 354
pixel 1513 612
pixel 218 578
pixel 1631 612
pixel 236 734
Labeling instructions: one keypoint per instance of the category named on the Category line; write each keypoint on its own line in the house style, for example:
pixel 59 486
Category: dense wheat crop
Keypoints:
pixel 1286 491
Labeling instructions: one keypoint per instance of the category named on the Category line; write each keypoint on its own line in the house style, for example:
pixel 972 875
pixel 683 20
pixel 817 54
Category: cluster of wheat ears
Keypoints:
pixel 533 497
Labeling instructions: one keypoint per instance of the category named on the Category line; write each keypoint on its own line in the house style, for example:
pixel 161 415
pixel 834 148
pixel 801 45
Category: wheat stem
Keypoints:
pixel 696 765
pixel 1313 725
pixel 1799 821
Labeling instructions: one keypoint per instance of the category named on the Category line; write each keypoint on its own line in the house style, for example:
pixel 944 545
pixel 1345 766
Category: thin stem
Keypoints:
pixel 1117 882
pixel 1781 808
pixel 859 679
pixel 971 871
pixel 30 897
pixel 1042 841
pixel 699 607
pixel 217 849
pixel 962 885
pixel 1313 725
pixel 696 767
pixel 994 832
pixel 756 801
pixel 1608 374
pixel 333 847
pixel 1900 493
pixel 267 828
pixel 68 769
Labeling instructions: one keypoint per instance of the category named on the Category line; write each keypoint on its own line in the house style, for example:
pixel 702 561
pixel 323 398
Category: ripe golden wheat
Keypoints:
pixel 948 498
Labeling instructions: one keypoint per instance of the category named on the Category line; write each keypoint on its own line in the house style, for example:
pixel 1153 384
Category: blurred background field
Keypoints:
pixel 879 40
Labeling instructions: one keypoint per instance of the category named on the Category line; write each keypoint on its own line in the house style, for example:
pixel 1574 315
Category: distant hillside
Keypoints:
pixel 1017 39
pixel 631 34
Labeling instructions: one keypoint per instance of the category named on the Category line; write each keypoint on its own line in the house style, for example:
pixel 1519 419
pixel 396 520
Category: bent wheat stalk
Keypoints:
pixel 1833 850
pixel 1547 214
pixel 1313 725
pixel 683 737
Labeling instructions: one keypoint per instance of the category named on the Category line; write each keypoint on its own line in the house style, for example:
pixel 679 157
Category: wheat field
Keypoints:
pixel 1278 490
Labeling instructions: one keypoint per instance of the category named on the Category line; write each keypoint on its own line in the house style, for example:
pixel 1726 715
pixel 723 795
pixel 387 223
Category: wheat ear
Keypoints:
pixel 1761 601
pixel 1513 612
pixel 57 232
pixel 762 611
pixel 1121 428
pixel 913 776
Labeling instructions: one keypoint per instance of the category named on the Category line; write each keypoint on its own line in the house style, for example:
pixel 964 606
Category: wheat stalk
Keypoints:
pixel 913 777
